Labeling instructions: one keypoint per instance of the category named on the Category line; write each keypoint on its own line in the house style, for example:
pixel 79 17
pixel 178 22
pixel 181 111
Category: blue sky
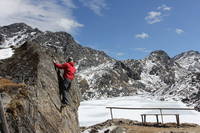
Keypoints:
pixel 124 29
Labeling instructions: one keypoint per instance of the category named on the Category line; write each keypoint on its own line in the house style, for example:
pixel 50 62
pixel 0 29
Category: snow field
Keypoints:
pixel 94 111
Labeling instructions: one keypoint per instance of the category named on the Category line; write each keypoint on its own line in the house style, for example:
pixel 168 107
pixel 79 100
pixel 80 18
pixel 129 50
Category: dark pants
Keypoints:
pixel 66 84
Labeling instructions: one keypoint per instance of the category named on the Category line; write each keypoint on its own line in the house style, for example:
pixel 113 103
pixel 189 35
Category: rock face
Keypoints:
pixel 124 78
pixel 111 79
pixel 64 44
pixel 16 34
pixel 187 85
pixel 35 107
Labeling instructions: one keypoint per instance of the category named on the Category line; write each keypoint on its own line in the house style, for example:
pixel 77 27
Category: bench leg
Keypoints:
pixel 142 119
pixel 157 119
pixel 177 120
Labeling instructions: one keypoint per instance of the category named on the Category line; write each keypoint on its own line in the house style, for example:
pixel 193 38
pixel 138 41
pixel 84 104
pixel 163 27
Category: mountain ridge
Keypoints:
pixel 99 75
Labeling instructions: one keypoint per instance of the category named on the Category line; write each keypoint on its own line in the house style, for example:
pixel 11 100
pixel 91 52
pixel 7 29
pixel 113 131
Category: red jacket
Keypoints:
pixel 69 69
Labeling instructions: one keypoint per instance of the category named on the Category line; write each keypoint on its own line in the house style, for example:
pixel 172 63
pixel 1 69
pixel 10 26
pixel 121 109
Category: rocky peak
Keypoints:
pixel 64 44
pixel 61 43
pixel 187 54
pixel 159 56
pixel 58 38
pixel 158 66
pixel 189 60
pixel 16 34
pixel 16 28
pixel 120 66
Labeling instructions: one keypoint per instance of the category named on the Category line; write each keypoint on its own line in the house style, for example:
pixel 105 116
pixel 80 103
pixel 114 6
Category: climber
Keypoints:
pixel 68 76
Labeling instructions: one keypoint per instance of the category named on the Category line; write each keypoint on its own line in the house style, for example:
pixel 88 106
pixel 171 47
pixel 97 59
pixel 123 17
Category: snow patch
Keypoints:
pixel 6 53
pixel 16 39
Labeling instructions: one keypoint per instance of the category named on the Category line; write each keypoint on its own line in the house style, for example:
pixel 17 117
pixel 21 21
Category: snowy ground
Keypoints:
pixel 6 53
pixel 94 111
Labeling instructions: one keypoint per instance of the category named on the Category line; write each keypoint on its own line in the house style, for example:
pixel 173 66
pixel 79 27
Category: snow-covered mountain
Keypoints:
pixel 110 79
pixel 175 78
pixel 16 34
pixel 102 76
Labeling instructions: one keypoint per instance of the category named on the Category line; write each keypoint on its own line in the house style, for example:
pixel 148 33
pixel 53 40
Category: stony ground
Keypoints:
pixel 143 129
pixel 129 126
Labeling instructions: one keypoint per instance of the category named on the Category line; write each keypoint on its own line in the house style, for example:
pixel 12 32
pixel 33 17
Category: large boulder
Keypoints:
pixel 34 107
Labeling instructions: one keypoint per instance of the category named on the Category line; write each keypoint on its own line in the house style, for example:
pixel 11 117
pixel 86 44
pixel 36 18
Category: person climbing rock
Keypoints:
pixel 68 76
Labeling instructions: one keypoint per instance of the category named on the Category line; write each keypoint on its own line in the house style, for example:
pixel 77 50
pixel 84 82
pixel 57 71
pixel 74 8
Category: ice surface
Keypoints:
pixel 94 111
pixel 6 53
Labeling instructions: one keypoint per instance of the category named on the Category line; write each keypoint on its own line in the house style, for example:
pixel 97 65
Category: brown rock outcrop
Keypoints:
pixel 34 107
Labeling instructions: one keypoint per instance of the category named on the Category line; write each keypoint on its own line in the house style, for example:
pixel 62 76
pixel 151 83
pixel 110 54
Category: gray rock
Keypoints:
pixel 16 34
pixel 38 110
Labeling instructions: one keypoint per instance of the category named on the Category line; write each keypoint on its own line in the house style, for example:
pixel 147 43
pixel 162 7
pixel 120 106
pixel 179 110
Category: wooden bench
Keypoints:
pixel 157 114
pixel 143 116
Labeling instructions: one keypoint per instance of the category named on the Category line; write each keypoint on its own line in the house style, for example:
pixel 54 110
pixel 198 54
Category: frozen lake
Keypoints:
pixel 94 111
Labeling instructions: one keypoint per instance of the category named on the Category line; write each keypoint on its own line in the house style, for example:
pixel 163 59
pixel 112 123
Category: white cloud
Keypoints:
pixel 179 31
pixel 158 15
pixel 142 35
pixel 142 50
pixel 164 8
pixel 68 24
pixel 95 5
pixel 153 17
pixel 54 15
pixel 120 54
pixel 68 3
